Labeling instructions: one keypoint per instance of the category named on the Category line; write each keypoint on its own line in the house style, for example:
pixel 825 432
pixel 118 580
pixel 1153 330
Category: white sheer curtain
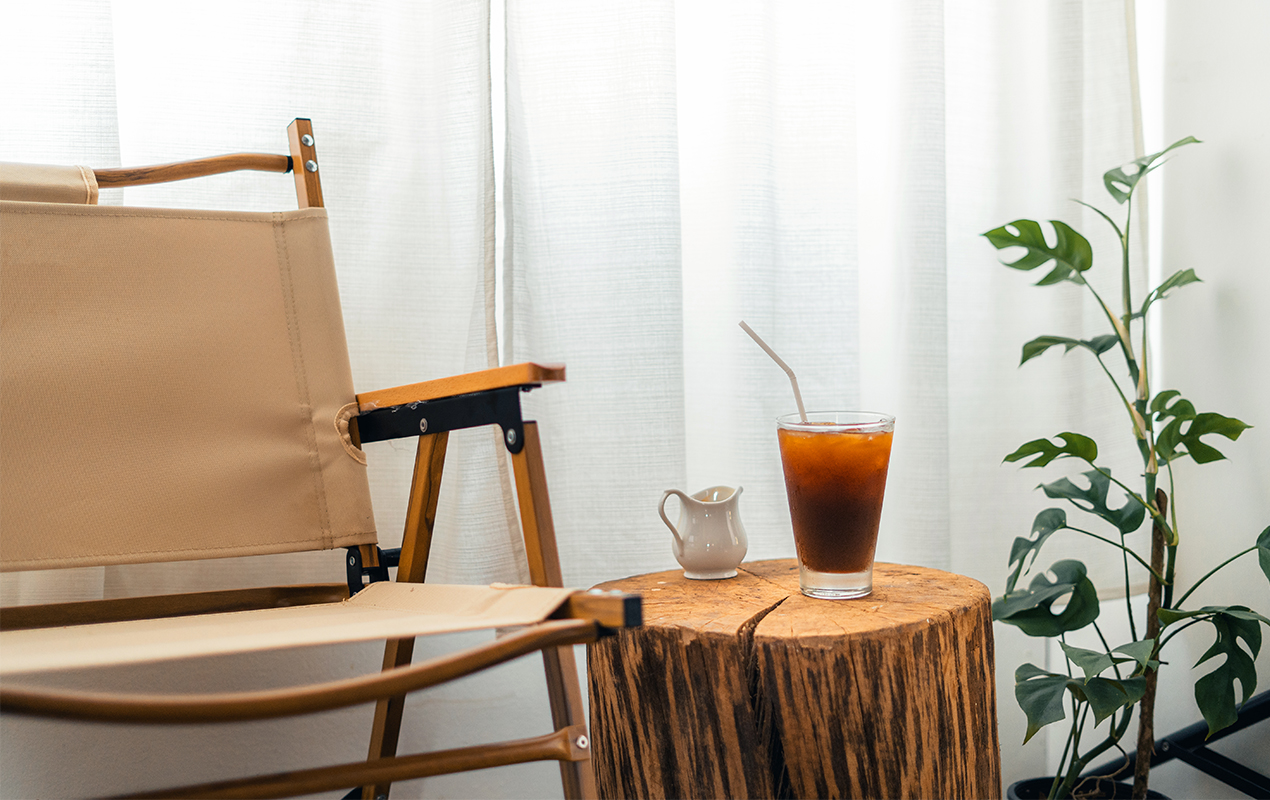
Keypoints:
pixel 836 163
pixel 820 169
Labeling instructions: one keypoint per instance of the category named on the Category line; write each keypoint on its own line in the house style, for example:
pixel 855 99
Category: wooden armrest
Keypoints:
pixel 292 700
pixel 498 378
pixel 181 170
pixel 612 609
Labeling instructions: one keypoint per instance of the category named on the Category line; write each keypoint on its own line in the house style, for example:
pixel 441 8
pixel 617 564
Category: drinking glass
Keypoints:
pixel 835 475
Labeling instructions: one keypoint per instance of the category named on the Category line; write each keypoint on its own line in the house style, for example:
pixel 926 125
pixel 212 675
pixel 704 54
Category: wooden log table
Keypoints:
pixel 746 688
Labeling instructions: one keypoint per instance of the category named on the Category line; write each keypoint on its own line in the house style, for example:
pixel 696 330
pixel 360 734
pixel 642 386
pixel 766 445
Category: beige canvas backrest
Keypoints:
pixel 170 382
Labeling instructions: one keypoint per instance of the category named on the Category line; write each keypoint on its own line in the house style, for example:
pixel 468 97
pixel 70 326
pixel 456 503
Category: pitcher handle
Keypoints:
pixel 661 509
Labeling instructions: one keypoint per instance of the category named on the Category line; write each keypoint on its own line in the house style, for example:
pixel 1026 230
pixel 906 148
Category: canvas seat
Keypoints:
pixel 177 387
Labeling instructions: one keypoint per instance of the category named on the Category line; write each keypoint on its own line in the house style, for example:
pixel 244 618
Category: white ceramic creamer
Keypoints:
pixel 710 540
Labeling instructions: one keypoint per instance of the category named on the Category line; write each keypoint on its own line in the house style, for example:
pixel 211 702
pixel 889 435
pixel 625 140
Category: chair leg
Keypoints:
pixel 416 543
pixel 544 570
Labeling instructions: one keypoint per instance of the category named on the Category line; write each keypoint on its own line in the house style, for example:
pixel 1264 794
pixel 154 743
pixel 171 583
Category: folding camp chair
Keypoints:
pixel 176 387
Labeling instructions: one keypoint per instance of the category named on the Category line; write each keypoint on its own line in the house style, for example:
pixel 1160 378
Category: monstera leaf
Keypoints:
pixel 1040 694
pixel 1179 278
pixel 1121 181
pixel 1097 345
pixel 1074 445
pixel 1128 518
pixel 1173 442
pixel 1071 252
pixel 1046 523
pixel 1215 692
pixel 1031 611
pixel 1094 663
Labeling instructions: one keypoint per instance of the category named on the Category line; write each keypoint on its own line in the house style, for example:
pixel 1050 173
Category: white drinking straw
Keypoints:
pixel 798 398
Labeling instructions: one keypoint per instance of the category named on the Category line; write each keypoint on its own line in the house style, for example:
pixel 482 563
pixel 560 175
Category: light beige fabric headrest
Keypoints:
pixel 37 183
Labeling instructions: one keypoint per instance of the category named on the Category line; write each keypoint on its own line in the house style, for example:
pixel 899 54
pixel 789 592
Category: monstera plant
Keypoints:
pixel 1108 683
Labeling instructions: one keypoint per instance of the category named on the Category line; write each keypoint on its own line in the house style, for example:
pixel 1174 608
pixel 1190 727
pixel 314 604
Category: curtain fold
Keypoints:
pixel 592 268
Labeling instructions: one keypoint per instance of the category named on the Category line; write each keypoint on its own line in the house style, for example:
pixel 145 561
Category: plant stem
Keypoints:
pixel 1126 287
pixel 1125 346
pixel 1176 631
pixel 1106 647
pixel 1169 569
pixel 1146 719
pixel 1128 406
pixel 1063 758
pixel 1078 764
pixel 1121 546
pixel 1128 594
pixel 1210 574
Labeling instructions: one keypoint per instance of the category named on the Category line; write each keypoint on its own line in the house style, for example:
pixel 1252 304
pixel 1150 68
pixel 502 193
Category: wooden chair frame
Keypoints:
pixel 584 617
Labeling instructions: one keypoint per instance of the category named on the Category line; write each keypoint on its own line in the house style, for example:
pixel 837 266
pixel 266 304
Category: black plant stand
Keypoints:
pixel 1190 745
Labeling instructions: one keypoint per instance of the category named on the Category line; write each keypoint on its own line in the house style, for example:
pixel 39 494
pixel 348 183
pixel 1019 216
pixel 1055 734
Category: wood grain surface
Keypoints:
pixel 746 688
pixel 484 380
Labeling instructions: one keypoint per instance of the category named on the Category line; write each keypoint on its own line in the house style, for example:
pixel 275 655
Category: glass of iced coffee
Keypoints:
pixel 835 474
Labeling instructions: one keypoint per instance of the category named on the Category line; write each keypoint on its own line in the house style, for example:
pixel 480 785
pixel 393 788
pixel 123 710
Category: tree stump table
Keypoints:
pixel 746 688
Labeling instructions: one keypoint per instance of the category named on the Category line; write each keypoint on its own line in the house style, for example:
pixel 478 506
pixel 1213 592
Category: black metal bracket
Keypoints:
pixel 1189 746
pixel 359 574
pixel 494 407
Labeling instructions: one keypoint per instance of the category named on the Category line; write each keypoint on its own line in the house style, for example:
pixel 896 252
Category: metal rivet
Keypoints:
pixel 582 742
pixel 310 165
pixel 423 426
pixel 352 561
pixel 306 140
pixel 511 436
pixel 381 797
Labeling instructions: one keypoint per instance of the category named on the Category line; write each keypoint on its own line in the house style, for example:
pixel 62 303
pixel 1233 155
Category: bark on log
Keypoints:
pixel 746 688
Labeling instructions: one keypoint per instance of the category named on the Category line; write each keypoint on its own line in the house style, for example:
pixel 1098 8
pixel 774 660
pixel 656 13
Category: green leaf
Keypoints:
pixel 1168 615
pixel 1128 518
pixel 1098 345
pixel 1121 181
pixel 1160 405
pixel 1071 252
pixel 1263 551
pixel 1138 651
pixel 1092 662
pixel 1179 278
pixel 1108 695
pixel 1045 524
pixel 1173 442
pixel 1030 609
pixel 1040 695
pixel 1215 692
pixel 1074 445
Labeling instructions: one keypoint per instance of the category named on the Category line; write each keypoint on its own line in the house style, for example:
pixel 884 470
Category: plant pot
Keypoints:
pixel 1039 789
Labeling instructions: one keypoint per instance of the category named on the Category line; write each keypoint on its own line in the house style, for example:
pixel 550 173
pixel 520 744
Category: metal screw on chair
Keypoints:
pixel 352 561
pixel 423 426
pixel 306 140
pixel 310 165
pixel 511 436
pixel 582 742
pixel 381 797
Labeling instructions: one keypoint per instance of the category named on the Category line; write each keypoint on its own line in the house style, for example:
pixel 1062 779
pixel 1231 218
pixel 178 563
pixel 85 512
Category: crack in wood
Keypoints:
pixel 764 719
